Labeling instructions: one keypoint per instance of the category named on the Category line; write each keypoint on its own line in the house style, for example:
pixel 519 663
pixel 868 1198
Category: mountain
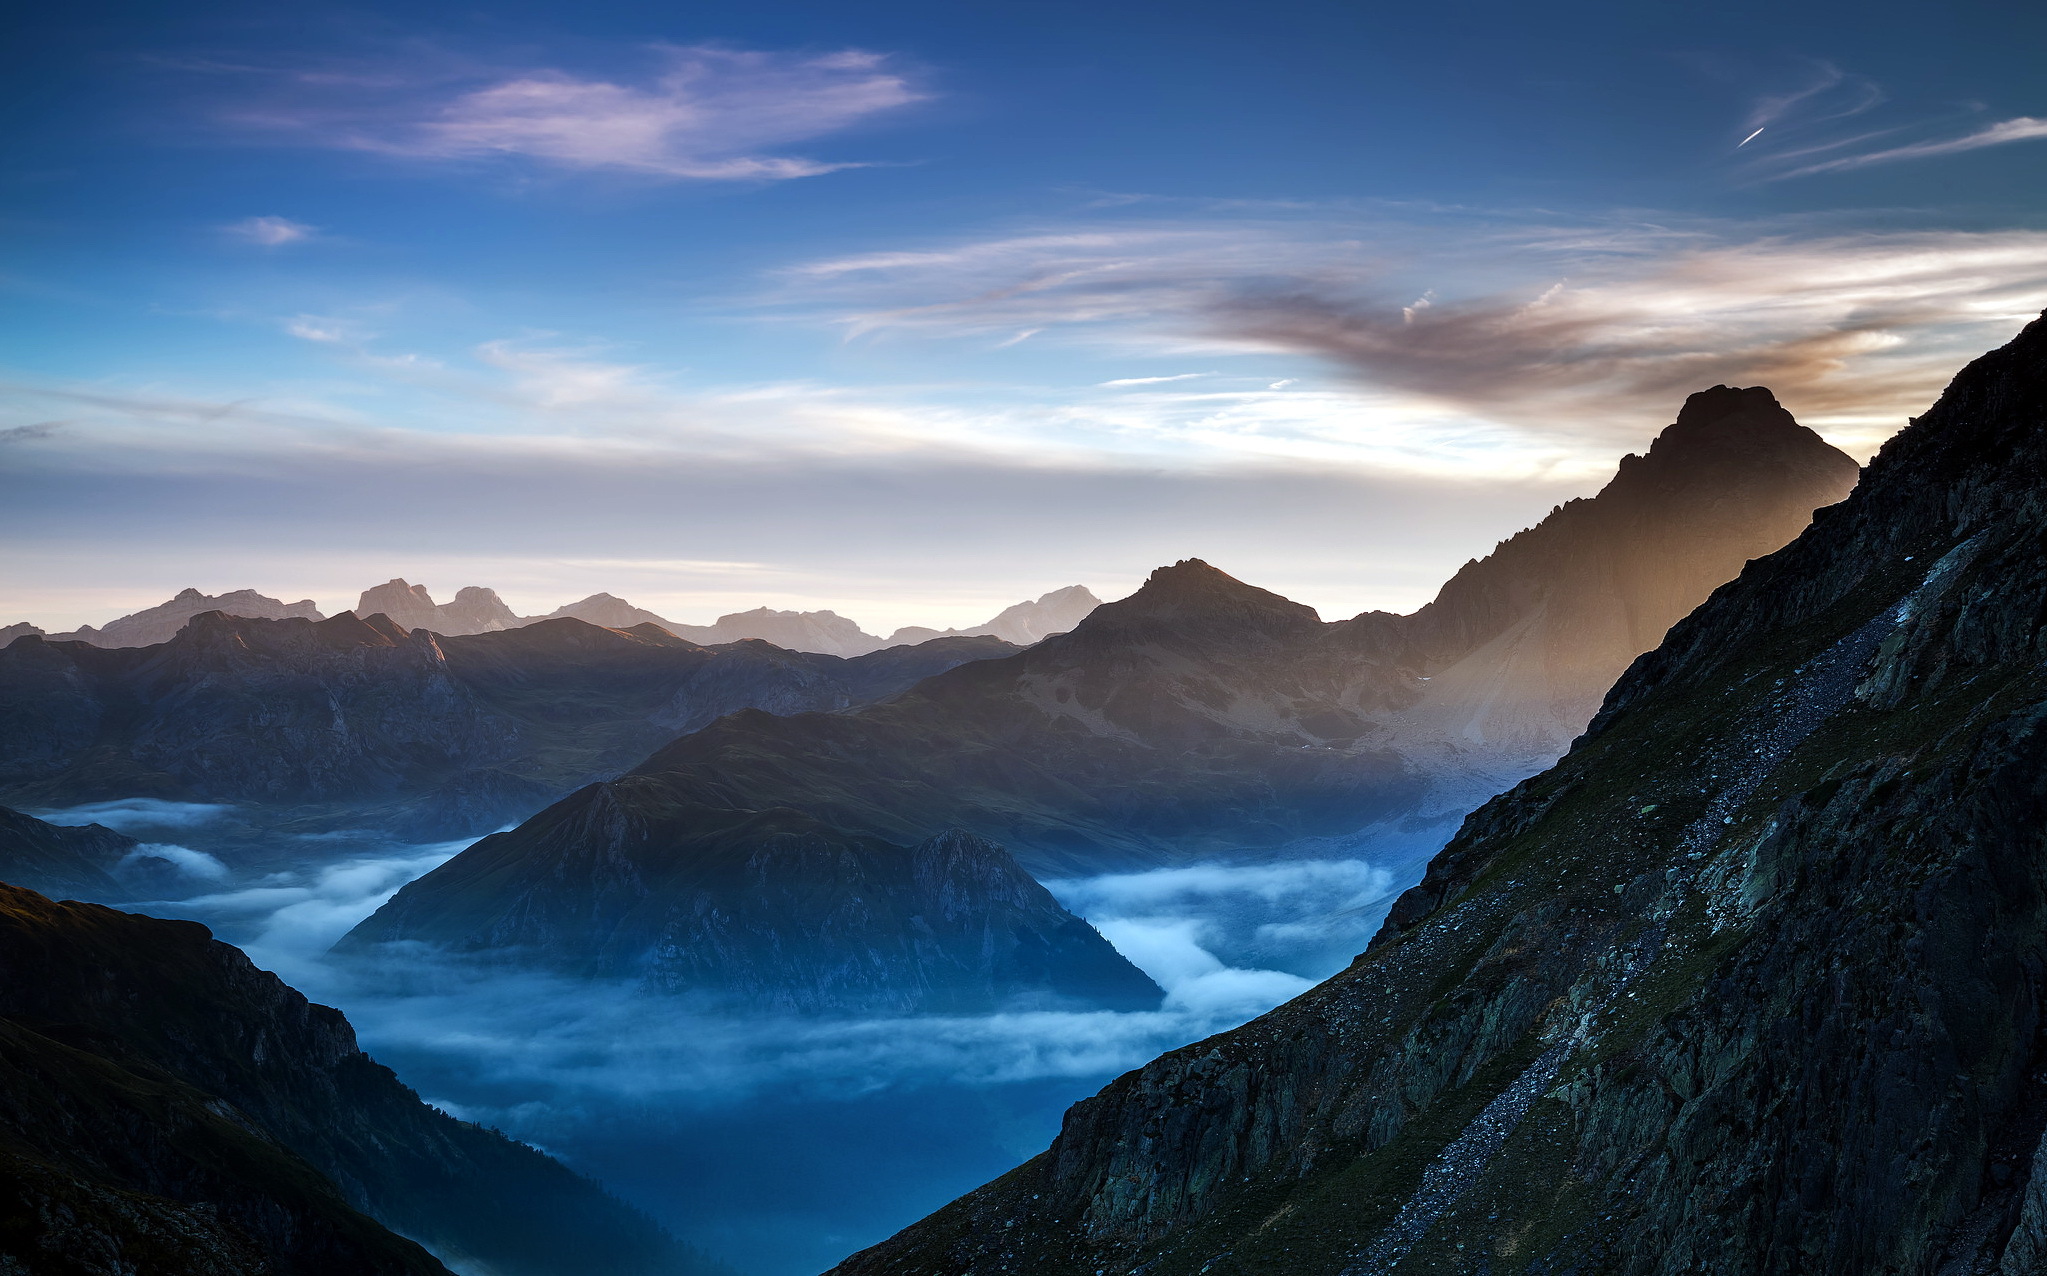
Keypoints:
pixel 1749 983
pixel 825 632
pixel 776 911
pixel 1024 623
pixel 59 861
pixel 1202 716
pixel 162 622
pixel 167 1107
pixel 611 613
pixel 353 718
pixel 8 633
pixel 475 610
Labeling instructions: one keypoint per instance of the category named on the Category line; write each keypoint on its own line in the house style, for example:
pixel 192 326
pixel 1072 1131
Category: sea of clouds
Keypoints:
pixel 781 1142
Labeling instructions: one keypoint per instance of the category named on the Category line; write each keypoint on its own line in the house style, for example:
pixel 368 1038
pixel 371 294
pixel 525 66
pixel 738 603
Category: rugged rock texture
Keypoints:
pixel 475 610
pixel 774 910
pixel 362 718
pixel 162 622
pixel 167 1107
pixel 1024 623
pixel 1753 982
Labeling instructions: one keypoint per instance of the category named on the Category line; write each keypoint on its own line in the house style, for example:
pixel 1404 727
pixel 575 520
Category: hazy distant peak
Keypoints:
pixel 162 622
pixel 1190 594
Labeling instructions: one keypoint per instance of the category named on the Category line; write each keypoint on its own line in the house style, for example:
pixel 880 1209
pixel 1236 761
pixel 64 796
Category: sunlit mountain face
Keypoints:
pixel 933 557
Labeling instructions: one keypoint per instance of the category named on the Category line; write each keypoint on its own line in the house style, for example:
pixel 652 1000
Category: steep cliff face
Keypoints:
pixel 770 909
pixel 1751 982
pixel 444 736
pixel 165 1098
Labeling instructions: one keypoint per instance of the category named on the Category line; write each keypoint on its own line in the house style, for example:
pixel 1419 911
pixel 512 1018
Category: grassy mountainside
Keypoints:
pixel 1752 982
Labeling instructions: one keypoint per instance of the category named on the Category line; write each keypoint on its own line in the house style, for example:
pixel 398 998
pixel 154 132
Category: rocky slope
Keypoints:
pixel 361 718
pixel 1203 716
pixel 1752 982
pixel 167 1107
pixel 776 911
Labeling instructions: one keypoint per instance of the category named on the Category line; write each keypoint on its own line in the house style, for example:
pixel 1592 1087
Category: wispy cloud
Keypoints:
pixel 709 113
pixel 270 232
pixel 1587 331
pixel 1184 376
pixel 2023 128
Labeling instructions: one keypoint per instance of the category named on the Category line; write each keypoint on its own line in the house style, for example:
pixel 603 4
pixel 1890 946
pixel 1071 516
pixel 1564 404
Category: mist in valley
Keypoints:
pixel 779 1143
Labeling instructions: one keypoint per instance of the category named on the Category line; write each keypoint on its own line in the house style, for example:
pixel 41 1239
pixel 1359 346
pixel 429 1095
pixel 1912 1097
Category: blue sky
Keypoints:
pixel 910 310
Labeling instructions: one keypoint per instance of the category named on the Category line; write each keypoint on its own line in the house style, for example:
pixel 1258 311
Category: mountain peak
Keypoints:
pixel 1191 594
pixel 1723 401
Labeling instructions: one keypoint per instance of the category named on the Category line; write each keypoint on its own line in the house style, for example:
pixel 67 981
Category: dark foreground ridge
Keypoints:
pixel 166 1107
pixel 1750 983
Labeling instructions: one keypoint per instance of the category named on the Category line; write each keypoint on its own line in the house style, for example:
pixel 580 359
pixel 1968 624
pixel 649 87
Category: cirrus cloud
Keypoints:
pixel 709 113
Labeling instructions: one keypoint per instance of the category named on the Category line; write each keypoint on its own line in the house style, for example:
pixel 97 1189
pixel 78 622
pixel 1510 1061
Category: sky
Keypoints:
pixel 912 310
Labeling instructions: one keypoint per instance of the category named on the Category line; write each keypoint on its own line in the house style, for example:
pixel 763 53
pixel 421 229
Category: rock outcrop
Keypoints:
pixel 167 1107
pixel 1751 982
pixel 774 911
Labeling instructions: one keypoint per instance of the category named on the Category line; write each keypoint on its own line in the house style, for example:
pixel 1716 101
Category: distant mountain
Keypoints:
pixel 613 613
pixel 1025 622
pixel 64 863
pixel 167 1107
pixel 777 911
pixel 359 718
pixel 8 633
pixel 475 610
pixel 1202 716
pixel 162 622
pixel 1750 983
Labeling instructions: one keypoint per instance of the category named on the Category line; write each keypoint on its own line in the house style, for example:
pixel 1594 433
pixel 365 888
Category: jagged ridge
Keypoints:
pixel 1776 921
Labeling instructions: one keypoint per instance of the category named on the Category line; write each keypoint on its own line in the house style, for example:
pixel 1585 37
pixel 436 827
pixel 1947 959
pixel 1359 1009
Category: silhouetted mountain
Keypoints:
pixel 1202 715
pixel 440 736
pixel 162 622
pixel 167 1107
pixel 775 910
pixel 8 633
pixel 1749 984
pixel 65 863
pixel 1024 623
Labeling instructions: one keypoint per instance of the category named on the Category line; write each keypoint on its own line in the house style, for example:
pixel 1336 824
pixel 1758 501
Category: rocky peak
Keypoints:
pixel 1191 598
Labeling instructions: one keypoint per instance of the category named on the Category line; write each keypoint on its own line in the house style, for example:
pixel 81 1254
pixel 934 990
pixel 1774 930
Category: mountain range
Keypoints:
pixel 1199 718
pixel 359 720
pixel 476 610
pixel 166 1107
pixel 1749 983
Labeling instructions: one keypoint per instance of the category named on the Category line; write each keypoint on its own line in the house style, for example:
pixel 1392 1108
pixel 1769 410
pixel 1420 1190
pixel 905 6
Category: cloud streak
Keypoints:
pixel 710 113
pixel 1583 332
pixel 2023 128
pixel 270 232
